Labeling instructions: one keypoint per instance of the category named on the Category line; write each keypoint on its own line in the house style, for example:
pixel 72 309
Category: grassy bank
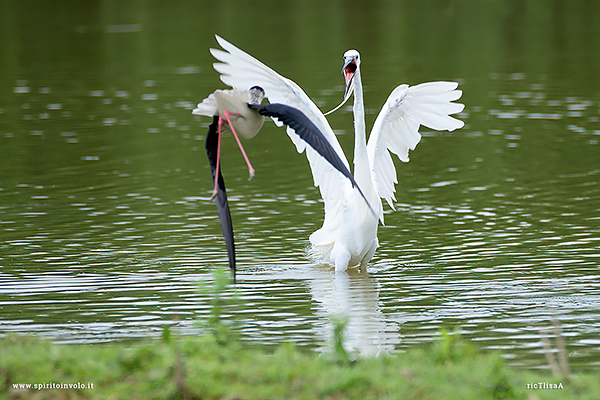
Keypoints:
pixel 217 365
pixel 205 368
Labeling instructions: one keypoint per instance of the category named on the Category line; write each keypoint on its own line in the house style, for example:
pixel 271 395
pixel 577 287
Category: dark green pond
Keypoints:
pixel 105 224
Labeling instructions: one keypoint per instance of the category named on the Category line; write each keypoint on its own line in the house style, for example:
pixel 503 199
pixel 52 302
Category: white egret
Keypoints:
pixel 348 236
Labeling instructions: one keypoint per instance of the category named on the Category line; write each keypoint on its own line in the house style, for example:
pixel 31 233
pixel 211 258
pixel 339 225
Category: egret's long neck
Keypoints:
pixel 362 173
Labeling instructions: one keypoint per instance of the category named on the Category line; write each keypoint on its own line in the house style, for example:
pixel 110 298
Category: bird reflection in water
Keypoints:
pixel 354 296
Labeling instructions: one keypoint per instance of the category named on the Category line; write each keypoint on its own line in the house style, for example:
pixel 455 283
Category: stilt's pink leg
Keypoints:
pixel 215 187
pixel 251 170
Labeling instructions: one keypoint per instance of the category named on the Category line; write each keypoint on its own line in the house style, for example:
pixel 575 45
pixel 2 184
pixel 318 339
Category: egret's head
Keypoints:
pixel 255 95
pixel 349 70
pixel 351 63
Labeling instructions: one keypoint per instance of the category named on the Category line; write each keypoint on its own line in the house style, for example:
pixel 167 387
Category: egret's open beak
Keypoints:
pixel 349 70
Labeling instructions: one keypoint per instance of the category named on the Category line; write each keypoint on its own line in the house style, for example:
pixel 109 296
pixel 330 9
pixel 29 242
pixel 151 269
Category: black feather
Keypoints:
pixel 308 132
pixel 221 199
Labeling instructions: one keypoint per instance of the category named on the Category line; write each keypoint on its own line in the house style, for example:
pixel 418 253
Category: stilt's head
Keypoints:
pixel 255 95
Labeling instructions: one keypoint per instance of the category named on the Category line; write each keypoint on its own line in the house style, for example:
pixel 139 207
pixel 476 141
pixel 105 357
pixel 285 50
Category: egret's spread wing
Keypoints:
pixel 396 128
pixel 221 199
pixel 242 71
pixel 307 131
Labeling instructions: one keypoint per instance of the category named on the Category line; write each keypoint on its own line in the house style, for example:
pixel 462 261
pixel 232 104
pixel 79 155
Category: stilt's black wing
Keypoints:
pixel 308 132
pixel 221 198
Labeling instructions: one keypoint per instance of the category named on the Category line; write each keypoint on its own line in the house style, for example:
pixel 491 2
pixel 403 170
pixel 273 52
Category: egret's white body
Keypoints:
pixel 348 236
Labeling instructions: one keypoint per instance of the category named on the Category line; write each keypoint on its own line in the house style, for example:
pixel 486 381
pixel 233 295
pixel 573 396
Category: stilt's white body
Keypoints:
pixel 231 106
pixel 348 236
pixel 246 121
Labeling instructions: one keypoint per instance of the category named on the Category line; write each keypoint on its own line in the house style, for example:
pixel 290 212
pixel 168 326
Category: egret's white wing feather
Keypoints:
pixel 242 71
pixel 396 128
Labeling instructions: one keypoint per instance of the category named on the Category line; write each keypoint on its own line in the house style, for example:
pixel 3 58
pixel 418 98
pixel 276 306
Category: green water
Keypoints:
pixel 105 224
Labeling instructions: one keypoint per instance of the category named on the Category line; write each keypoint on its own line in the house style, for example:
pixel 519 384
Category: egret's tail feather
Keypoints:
pixel 319 254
